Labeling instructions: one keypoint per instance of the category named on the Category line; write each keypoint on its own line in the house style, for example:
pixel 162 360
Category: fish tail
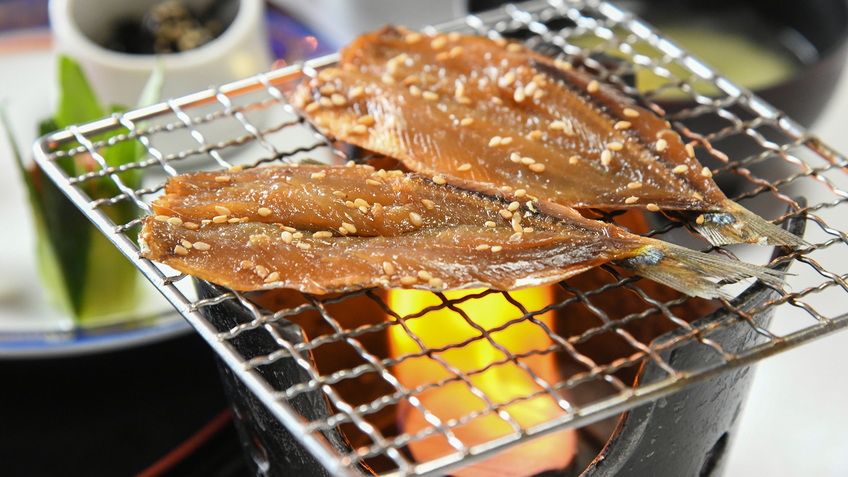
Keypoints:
pixel 736 224
pixel 695 273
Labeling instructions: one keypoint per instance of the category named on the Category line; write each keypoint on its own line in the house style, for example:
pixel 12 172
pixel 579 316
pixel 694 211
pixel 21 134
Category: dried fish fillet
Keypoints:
pixel 494 111
pixel 323 229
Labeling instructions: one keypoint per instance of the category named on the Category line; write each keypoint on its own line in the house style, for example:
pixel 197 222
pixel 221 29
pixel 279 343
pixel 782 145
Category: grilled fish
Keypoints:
pixel 495 111
pixel 321 229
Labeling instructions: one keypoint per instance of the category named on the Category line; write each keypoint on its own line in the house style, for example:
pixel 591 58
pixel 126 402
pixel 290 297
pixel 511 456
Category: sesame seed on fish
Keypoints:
pixel 507 79
pixel 519 95
pixel 338 99
pixel 416 219
pixel 389 268
pixel 606 157
pixel 438 43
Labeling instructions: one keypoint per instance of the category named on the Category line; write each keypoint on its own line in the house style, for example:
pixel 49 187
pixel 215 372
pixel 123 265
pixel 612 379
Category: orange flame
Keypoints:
pixel 489 371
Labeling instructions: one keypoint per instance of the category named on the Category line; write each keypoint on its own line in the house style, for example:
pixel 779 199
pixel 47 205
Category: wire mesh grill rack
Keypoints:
pixel 598 328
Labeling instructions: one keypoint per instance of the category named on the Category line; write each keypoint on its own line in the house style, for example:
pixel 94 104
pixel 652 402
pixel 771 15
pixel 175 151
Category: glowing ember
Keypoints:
pixel 489 371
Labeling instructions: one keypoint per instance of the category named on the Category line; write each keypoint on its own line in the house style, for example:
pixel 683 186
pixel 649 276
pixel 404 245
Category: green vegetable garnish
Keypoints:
pixel 84 274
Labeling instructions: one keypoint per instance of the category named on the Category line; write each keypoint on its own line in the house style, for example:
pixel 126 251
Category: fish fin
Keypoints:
pixel 695 273
pixel 737 224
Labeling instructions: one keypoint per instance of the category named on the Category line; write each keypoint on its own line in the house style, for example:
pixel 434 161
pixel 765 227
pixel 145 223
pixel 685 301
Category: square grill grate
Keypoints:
pixel 760 157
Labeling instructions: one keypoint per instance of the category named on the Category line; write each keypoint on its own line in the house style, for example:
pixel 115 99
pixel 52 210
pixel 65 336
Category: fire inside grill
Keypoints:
pixel 367 383
pixel 500 380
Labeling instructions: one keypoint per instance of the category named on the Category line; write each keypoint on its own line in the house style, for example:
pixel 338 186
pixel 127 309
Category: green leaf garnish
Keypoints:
pixel 87 276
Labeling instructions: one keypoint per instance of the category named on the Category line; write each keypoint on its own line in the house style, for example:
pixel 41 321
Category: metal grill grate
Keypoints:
pixel 762 159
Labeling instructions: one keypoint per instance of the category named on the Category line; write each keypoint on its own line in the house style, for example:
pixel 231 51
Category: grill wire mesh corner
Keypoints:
pixel 762 159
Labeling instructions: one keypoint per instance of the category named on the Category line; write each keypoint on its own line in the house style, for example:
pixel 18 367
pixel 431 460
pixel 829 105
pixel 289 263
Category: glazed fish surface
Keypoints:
pixel 322 229
pixel 494 111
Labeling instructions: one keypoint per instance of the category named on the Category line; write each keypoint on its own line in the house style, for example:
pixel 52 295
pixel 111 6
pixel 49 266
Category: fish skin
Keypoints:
pixel 444 243
pixel 426 133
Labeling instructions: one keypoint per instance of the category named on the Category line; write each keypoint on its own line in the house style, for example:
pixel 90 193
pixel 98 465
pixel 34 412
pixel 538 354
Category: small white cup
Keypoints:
pixel 79 26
